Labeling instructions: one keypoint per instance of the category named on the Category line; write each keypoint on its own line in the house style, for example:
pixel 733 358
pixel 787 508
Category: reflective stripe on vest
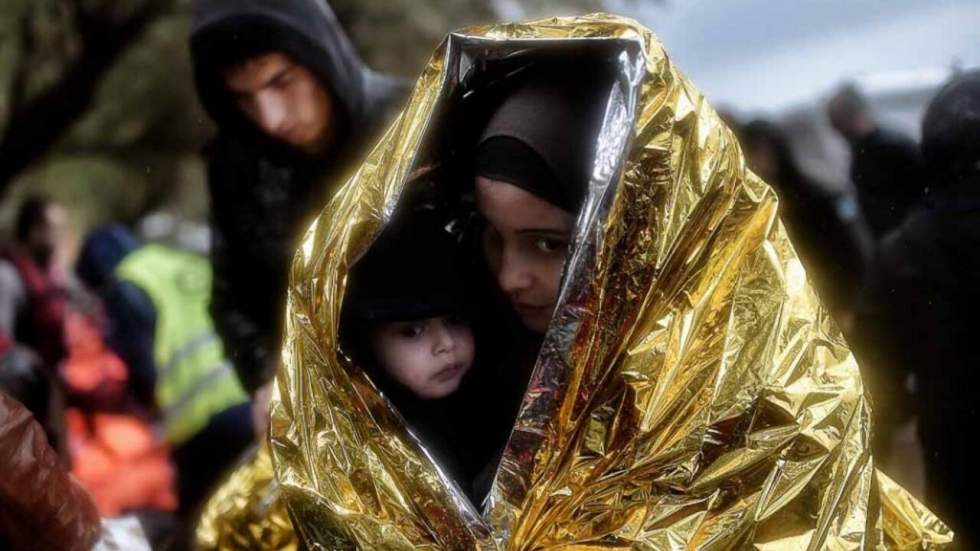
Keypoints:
pixel 194 379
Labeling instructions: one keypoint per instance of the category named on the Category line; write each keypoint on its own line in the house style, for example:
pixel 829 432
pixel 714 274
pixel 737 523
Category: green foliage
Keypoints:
pixel 129 152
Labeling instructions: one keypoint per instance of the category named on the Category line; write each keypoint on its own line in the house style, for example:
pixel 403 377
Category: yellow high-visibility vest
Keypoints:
pixel 194 380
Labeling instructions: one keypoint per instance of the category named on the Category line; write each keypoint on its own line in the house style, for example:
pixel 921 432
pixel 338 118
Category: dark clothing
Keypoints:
pixel 131 316
pixel 264 193
pixel 440 425
pixel 428 262
pixel 40 323
pixel 24 378
pixel 203 460
pixel 492 419
pixel 131 327
pixel 494 396
pixel 259 209
pixel 886 169
pixel 831 238
pixel 951 129
pixel 929 272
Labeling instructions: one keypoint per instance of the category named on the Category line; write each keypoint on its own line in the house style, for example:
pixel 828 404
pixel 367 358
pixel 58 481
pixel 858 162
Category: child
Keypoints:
pixel 408 322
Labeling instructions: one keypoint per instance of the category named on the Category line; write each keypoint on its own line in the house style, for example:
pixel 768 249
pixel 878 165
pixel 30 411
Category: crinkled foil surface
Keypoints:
pixel 692 392
pixel 246 512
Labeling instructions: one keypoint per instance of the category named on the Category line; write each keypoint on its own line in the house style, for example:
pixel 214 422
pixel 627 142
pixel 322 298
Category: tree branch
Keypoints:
pixel 21 71
pixel 36 123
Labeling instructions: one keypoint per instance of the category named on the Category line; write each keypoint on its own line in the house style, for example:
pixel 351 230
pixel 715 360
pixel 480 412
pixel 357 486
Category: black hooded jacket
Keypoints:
pixel 929 268
pixel 886 169
pixel 263 192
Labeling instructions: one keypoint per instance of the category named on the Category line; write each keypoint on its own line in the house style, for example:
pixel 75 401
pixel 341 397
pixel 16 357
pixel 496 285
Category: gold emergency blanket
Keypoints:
pixel 691 393
pixel 246 513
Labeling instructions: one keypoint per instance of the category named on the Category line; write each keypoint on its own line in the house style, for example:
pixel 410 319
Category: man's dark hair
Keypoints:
pixel 790 176
pixel 251 39
pixel 30 215
pixel 849 101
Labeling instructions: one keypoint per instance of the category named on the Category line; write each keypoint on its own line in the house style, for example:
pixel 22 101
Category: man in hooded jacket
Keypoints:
pixel 928 270
pixel 295 107
pixel 886 168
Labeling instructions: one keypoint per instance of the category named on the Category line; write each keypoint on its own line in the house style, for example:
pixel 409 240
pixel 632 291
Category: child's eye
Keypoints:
pixel 411 331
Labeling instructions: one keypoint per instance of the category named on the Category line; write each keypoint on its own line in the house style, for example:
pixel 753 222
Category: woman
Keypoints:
pixel 688 390
pixel 531 169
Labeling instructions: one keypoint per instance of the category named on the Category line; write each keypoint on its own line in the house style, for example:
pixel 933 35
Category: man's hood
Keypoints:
pixel 102 252
pixel 224 31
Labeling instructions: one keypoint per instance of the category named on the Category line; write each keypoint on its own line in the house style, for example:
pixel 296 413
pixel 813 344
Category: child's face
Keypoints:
pixel 429 357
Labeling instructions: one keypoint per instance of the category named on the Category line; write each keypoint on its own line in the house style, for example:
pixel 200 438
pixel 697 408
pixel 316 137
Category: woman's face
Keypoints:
pixel 525 243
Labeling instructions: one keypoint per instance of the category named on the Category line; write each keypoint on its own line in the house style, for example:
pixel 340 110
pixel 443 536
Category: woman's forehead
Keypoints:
pixel 509 206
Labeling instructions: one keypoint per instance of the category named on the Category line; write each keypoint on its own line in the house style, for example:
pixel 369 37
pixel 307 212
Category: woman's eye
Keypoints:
pixel 549 246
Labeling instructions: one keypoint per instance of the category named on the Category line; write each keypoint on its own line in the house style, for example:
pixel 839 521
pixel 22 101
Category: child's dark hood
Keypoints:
pixel 224 31
pixel 413 271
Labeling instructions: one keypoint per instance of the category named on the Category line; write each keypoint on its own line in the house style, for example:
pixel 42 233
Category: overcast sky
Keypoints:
pixel 772 54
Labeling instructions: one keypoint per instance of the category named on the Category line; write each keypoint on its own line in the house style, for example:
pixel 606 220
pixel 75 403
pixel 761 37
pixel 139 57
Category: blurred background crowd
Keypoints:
pixel 110 335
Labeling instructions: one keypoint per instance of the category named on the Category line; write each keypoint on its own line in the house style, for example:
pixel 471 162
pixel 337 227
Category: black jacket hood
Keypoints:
pixel 226 31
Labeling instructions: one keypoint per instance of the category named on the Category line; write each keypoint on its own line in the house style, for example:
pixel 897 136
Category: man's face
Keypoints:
pixel 44 238
pixel 852 124
pixel 284 99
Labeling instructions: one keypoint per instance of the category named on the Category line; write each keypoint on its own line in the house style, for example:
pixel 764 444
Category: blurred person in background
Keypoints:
pixel 156 300
pixel 24 378
pixel 836 248
pixel 929 269
pixel 295 108
pixel 115 446
pixel 886 168
pixel 33 306
pixel 33 285
pixel 826 226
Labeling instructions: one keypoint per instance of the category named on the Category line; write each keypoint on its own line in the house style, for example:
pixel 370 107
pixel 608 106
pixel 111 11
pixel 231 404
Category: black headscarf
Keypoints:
pixel 542 137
